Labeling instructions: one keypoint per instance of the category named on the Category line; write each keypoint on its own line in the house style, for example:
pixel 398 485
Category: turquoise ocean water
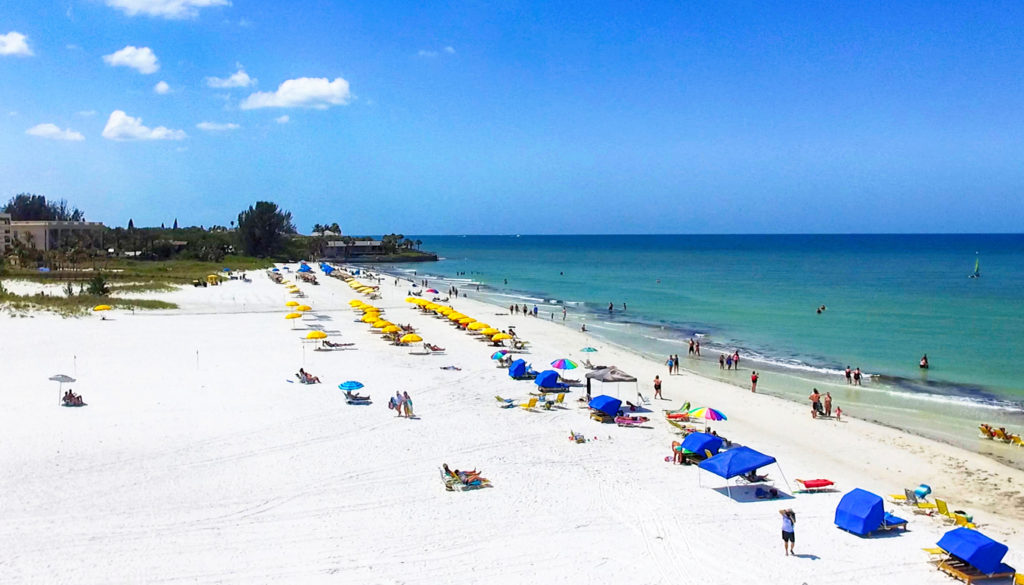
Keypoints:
pixel 889 299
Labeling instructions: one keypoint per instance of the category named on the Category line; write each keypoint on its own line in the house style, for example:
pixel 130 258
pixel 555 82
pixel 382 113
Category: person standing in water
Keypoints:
pixel 856 377
pixel 849 375
pixel 753 381
pixel 924 362
pixel 611 307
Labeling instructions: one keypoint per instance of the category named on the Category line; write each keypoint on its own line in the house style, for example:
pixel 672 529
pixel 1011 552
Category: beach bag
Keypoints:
pixel 391 403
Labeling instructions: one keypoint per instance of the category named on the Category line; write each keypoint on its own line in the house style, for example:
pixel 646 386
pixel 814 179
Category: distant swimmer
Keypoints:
pixel 611 307
pixel 924 362
pixel 821 309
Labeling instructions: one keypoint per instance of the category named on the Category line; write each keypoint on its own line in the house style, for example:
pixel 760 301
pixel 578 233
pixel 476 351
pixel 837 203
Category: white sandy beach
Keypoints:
pixel 197 460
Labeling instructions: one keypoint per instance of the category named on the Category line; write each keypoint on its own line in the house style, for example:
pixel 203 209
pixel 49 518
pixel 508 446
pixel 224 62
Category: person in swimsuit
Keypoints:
pixel 849 375
pixel 753 381
pixel 828 404
pixel 657 387
pixel 815 399
pixel 856 377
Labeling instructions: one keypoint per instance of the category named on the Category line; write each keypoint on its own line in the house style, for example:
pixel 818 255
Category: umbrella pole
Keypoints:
pixel 788 487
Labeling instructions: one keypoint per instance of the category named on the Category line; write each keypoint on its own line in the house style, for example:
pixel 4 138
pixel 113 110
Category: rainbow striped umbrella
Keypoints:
pixel 707 413
pixel 499 354
pixel 564 364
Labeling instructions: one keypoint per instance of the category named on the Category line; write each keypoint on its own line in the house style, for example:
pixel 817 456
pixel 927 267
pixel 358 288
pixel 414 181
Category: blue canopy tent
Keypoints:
pixel 305 268
pixel 699 442
pixel 976 549
pixel 860 512
pixel 606 404
pixel 549 379
pixel 737 461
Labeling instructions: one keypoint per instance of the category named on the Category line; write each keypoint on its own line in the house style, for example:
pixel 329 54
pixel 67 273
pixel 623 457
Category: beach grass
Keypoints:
pixel 73 306
pixel 143 271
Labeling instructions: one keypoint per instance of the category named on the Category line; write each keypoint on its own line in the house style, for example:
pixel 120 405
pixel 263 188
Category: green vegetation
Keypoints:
pixel 263 229
pixel 73 306
pixel 29 207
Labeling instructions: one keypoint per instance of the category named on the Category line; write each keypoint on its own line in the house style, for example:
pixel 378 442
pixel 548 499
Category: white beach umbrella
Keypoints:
pixel 61 379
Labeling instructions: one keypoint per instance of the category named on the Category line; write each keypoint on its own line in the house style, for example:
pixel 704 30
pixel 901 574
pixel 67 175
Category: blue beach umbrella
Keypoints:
pixel 350 385
pixel 588 350
pixel 225 269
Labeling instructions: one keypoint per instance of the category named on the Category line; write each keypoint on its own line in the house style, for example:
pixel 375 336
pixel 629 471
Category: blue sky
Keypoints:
pixel 546 117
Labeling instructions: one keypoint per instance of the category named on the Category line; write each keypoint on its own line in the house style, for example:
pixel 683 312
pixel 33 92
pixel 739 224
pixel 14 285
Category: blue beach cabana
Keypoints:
pixel 862 512
pixel 700 442
pixel 606 404
pixel 520 370
pixel 736 462
pixel 977 551
pixel 548 379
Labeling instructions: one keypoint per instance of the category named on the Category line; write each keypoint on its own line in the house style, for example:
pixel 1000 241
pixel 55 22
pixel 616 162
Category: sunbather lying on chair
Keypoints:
pixel 332 344
pixel 350 396
pixel 432 347
pixel 752 476
pixel 72 399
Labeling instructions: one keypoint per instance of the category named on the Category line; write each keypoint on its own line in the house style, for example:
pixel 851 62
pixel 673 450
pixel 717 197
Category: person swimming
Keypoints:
pixel 924 362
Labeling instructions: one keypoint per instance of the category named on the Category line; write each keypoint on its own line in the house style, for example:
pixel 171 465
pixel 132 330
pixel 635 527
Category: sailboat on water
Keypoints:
pixel 977 267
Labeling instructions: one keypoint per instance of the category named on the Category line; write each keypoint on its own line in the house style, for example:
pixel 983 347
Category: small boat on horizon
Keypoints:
pixel 977 267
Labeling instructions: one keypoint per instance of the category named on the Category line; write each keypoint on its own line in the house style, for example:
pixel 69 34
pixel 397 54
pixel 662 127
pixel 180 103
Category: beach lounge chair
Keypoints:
pixel 549 404
pixel 815 485
pixel 910 498
pixel 943 509
pixel 1016 440
pixel 962 520
pixel 890 522
pixel 1000 435
pixel 529 405
pixel 985 430
pixel 936 554
pixel 643 400
pixel 960 569
pixel 505 402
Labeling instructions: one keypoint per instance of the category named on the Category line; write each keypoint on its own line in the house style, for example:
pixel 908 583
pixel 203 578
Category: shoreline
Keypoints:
pixel 952 420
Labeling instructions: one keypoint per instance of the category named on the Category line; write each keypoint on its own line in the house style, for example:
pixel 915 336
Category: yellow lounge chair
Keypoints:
pixel 529 405
pixel 1016 440
pixel 936 554
pixel 1018 579
pixel 504 402
pixel 986 431
pixel 961 520
pixel 999 434
pixel 943 508
pixel 549 404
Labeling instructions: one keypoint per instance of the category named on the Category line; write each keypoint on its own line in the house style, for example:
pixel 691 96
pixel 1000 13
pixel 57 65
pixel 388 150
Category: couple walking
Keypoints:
pixel 399 402
pixel 673 364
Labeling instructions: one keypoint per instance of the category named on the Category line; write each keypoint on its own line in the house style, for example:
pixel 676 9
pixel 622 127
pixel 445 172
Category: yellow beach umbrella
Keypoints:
pixel 466 320
pixel 391 329
pixel 303 308
pixel 410 338
pixel 355 303
pixel 293 316
pixel 490 331
pixel 101 308
pixel 316 335
pixel 381 324
pixel 445 310
pixel 455 316
pixel 501 336
pixel 476 326
pixel 292 304
pixel 412 300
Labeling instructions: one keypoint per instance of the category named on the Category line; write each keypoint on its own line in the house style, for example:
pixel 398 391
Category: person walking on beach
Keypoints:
pixel 657 387
pixel 511 309
pixel 676 363
pixel 753 381
pixel 398 402
pixel 736 359
pixel 849 376
pixel 407 404
pixel 721 361
pixel 697 347
pixel 788 534
pixel 856 376
pixel 828 404
pixel 535 310
pixel 691 346
pixel 669 364
pixel 563 313
pixel 728 362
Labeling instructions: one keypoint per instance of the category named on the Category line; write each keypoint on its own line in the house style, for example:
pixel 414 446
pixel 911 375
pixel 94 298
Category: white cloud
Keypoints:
pixel 165 8
pixel 237 79
pixel 162 88
pixel 121 126
pixel 86 113
pixel 450 50
pixel 14 43
pixel 217 126
pixel 53 132
pixel 304 92
pixel 426 53
pixel 430 53
pixel 141 59
pixel 282 119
